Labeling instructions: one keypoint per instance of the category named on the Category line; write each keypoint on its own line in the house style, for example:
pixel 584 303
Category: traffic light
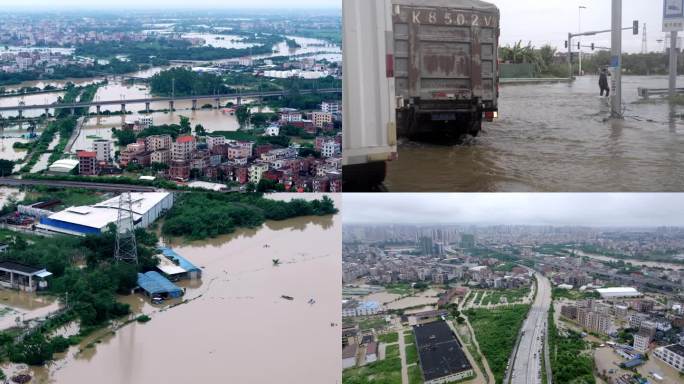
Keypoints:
pixel 566 43
pixel 592 46
pixel 635 27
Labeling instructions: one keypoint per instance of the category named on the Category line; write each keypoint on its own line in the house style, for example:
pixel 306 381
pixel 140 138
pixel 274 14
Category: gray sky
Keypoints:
pixel 539 21
pixel 169 4
pixel 549 21
pixel 621 209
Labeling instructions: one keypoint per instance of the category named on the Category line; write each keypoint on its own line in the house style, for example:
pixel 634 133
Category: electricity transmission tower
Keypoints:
pixel 126 249
pixel 644 42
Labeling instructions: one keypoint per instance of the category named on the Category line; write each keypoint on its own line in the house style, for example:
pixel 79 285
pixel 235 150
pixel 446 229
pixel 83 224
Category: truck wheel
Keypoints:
pixel 475 128
pixel 364 177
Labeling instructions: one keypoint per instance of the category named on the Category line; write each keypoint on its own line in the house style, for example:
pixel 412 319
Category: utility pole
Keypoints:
pixel 616 60
pixel 570 55
pixel 579 30
pixel 673 63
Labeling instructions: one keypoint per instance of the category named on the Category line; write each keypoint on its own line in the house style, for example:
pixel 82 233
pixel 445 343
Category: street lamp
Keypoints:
pixel 579 30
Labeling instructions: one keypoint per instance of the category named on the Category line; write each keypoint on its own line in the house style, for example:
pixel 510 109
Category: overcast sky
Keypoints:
pixel 539 21
pixel 167 4
pixel 549 21
pixel 523 209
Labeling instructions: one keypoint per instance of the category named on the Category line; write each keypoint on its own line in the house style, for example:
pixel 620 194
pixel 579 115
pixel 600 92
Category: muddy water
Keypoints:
pixel 650 264
pixel 553 137
pixel 238 330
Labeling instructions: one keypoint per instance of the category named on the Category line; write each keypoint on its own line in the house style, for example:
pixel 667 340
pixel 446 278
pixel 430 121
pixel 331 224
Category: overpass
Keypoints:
pixel 147 101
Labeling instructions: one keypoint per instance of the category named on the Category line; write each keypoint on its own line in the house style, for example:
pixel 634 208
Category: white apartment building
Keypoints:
pixel 333 107
pixel 183 148
pixel 156 143
pixel 103 150
pixel 213 141
pixel 672 355
pixel 330 149
pixel 256 171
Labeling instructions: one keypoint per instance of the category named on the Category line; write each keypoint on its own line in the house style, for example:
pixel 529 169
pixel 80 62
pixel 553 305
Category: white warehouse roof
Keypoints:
pixel 100 215
pixel 63 166
pixel 618 292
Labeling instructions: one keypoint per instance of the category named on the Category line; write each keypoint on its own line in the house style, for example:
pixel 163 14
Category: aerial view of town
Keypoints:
pixel 142 238
pixel 433 298
pixel 230 100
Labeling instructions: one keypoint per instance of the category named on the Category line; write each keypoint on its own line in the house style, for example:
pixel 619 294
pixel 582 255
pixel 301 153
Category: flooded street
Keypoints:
pixel 552 137
pixel 237 320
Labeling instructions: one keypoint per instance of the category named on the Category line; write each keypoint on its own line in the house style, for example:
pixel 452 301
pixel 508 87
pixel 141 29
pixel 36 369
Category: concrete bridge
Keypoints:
pixel 147 101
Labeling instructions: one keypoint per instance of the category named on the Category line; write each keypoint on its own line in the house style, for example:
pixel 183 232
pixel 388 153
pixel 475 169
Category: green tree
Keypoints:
pixel 6 167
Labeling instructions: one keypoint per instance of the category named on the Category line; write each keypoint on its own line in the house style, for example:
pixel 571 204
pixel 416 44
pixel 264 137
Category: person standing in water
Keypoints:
pixel 603 82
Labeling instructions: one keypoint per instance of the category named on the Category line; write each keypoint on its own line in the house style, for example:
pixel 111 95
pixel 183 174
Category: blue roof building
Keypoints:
pixel 154 284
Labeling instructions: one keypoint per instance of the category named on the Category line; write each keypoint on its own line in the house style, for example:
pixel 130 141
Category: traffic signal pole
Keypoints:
pixel 616 60
pixel 673 63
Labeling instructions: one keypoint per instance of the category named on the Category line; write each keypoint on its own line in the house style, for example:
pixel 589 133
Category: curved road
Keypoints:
pixel 527 364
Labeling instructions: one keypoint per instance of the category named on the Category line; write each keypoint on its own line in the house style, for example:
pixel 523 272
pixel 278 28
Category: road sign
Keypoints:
pixel 673 15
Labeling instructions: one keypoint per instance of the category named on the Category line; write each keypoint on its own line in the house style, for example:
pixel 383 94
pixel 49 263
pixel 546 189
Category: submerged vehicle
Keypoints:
pixel 414 68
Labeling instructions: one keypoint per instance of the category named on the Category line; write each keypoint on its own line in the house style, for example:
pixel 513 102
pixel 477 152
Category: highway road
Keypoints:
pixel 527 364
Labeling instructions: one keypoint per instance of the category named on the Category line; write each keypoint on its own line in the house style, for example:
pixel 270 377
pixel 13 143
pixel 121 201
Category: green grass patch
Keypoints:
pixel 496 331
pixel 408 338
pixel 411 354
pixel 392 351
pixel 387 371
pixel 372 323
pixel 415 375
pixel 389 337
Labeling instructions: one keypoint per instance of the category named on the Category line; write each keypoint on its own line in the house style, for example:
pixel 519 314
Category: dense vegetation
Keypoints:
pixel 190 217
pixel 186 82
pixel 162 50
pixel 6 167
pixel 569 361
pixel 114 67
pixel 86 279
pixel 546 63
pixel 496 331
pixel 386 371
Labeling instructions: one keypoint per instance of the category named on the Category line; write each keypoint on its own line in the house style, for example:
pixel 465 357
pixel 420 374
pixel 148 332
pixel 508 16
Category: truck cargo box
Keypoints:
pixel 446 50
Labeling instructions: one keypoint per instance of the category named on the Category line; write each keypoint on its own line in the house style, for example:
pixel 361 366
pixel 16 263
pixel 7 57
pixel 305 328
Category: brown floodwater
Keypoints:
pixel 554 137
pixel 236 327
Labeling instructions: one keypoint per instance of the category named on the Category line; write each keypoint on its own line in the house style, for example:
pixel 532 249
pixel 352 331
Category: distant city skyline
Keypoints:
pixel 591 210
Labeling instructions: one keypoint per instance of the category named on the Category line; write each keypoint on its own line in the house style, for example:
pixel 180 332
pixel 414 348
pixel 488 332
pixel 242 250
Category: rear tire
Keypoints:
pixel 367 177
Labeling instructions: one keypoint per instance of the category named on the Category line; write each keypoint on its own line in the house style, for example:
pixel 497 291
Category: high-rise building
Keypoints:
pixel 467 241
pixel 425 244
pixel 103 150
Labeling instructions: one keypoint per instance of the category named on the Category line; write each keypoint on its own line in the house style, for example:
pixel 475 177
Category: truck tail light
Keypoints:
pixel 491 115
pixel 390 65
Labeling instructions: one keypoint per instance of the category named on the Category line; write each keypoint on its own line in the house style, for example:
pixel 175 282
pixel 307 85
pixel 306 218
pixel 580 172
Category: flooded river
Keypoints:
pixel 238 329
pixel 553 137
pixel 650 264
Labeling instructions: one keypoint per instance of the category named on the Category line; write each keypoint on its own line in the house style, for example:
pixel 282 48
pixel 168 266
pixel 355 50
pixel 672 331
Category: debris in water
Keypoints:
pixel 287 297
pixel 276 262
pixel 312 301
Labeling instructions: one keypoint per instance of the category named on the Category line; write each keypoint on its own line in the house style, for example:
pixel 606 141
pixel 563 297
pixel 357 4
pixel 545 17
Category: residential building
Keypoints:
pixel 256 171
pixel 146 121
pixel 103 150
pixel 87 163
pixel 333 107
pixel 643 338
pixel 330 149
pixel 273 130
pixel 213 141
pixel 182 148
pixel 321 118
pixel 672 355
pixel 162 156
pixel 158 142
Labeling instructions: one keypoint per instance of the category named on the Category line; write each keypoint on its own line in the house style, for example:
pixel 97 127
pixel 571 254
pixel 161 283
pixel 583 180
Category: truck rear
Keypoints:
pixel 445 66
pixel 369 104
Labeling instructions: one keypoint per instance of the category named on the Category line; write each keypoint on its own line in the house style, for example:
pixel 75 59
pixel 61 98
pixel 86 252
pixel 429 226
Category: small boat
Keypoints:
pixel 276 262
pixel 287 297
pixel 312 301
